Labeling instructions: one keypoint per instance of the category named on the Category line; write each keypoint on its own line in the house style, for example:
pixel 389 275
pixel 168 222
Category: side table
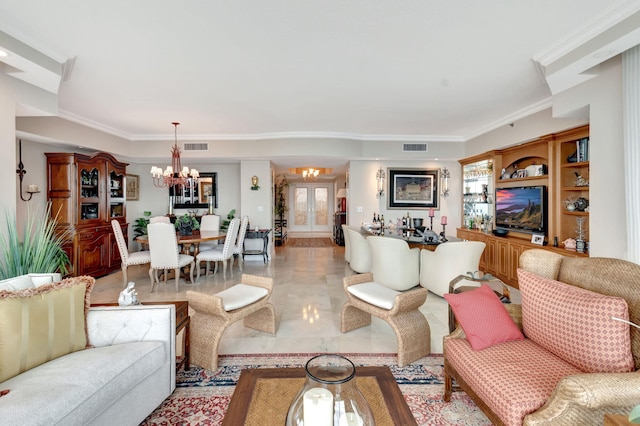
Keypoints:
pixel 260 233
pixel 457 285
pixel 183 321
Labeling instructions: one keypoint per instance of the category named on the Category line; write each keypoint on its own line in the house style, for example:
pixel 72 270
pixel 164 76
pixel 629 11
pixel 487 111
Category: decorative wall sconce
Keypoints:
pixel 445 175
pixel 380 175
pixel 254 183
pixel 33 189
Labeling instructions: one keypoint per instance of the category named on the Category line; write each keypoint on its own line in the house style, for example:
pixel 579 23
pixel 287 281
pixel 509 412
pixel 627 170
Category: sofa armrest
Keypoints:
pixel 591 394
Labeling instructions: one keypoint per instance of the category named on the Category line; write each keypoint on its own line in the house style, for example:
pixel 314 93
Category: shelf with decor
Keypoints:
pixel 572 151
pixel 478 192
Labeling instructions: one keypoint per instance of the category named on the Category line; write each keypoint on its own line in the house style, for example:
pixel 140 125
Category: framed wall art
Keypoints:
pixel 412 188
pixel 133 187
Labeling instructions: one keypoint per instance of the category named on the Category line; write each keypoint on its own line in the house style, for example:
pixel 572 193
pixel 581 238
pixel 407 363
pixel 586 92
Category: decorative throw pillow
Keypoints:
pixel 483 318
pixel 42 323
pixel 575 324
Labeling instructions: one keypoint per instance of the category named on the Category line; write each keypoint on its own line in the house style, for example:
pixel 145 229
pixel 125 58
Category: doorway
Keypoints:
pixel 310 208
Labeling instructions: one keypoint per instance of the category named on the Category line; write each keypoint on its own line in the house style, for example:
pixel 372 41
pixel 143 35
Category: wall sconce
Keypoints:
pixel 445 175
pixel 380 175
pixel 33 189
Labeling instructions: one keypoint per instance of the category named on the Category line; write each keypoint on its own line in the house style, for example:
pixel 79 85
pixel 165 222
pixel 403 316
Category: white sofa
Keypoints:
pixel 127 373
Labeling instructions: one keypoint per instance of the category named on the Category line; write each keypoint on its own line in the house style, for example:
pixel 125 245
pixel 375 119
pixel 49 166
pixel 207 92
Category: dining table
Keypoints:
pixel 186 241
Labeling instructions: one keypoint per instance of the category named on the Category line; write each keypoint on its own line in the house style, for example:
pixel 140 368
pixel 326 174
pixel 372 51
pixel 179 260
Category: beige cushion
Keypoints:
pixel 43 323
pixel 241 295
pixel 374 294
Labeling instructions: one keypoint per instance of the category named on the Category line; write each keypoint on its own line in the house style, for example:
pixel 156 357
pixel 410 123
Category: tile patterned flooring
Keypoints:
pixel 308 297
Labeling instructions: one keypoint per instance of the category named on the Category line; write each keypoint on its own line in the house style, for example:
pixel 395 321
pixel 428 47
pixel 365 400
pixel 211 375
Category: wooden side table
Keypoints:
pixel 183 321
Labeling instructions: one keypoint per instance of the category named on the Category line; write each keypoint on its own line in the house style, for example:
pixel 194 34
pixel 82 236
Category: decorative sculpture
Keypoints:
pixel 128 296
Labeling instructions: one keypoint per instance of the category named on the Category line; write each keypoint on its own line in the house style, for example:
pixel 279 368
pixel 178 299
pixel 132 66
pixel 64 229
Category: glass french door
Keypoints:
pixel 310 208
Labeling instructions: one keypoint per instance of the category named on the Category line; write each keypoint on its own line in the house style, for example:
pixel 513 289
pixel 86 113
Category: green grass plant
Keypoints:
pixel 39 251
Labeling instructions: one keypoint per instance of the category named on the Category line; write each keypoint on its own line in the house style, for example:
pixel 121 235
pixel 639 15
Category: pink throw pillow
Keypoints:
pixel 483 318
pixel 575 324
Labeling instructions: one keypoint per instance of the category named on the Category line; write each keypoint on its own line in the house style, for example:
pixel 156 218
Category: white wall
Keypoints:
pixel 256 204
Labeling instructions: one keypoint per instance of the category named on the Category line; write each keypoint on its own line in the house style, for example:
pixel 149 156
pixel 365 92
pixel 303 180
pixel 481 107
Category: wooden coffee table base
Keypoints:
pixel 267 393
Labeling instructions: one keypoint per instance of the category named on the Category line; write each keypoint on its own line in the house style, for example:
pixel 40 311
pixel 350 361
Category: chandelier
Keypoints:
pixel 175 174
pixel 310 174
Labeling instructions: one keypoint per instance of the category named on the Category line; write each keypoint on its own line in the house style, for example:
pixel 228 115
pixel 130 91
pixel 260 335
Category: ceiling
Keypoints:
pixel 416 70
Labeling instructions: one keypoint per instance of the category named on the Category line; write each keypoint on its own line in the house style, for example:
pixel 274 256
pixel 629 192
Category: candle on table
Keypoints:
pixel 432 212
pixel 443 220
pixel 318 407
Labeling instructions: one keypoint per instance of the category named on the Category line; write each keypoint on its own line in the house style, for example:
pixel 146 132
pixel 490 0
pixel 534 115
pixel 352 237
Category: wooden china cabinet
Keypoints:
pixel 86 193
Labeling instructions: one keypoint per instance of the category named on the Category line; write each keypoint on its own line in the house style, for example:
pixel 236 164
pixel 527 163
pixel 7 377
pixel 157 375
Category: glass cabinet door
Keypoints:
pixel 478 195
pixel 89 193
pixel 116 194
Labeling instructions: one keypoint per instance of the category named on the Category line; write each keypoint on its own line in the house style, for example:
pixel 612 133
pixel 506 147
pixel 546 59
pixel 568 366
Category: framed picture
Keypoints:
pixel 537 239
pixel 205 190
pixel 413 188
pixel 522 173
pixel 133 187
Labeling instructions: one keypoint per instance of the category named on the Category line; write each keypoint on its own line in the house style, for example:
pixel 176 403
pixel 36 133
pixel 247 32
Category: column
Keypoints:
pixel 631 123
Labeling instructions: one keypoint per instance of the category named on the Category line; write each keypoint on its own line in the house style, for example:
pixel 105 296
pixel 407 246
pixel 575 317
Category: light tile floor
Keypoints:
pixel 308 297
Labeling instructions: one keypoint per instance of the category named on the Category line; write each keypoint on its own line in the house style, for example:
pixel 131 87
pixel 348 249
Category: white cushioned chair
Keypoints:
pixel 439 267
pixel 223 252
pixel 239 246
pixel 391 292
pixel 209 222
pixel 360 251
pixel 213 313
pixel 347 243
pixel 163 247
pixel 128 259
pixel 160 219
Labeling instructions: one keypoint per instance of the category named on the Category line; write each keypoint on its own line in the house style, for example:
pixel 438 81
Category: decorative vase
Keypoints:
pixel 185 229
pixel 330 395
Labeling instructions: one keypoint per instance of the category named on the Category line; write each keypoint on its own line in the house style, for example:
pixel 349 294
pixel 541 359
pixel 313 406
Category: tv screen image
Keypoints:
pixel 522 209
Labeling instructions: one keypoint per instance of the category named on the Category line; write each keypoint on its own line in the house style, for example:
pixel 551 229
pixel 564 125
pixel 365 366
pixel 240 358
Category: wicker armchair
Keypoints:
pixel 390 292
pixel 581 398
pixel 212 314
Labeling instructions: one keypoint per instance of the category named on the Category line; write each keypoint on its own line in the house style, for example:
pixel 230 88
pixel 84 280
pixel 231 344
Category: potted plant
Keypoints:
pixel 280 206
pixel 140 227
pixel 39 251
pixel 225 223
pixel 186 224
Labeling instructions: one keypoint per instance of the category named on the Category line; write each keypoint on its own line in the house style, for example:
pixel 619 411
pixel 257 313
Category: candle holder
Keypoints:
pixel 330 395
pixel 443 238
pixel 431 227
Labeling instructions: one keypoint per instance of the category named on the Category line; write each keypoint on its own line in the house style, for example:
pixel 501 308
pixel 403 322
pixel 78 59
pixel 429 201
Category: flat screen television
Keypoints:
pixel 522 209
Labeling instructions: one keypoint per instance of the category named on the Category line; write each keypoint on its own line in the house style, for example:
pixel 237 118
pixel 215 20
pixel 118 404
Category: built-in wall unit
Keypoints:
pixel 532 195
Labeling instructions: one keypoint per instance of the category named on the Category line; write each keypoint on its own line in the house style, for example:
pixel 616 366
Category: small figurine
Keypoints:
pixel 580 181
pixel 128 296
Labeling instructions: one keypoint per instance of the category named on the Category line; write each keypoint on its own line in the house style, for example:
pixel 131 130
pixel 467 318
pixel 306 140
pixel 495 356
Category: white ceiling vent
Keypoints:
pixel 196 146
pixel 414 147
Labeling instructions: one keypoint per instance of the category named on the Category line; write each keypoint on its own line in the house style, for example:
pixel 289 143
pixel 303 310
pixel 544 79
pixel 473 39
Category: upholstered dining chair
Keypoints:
pixel 360 251
pixel 439 267
pixel 239 246
pixel 391 292
pixel 127 259
pixel 213 313
pixel 163 247
pixel 347 243
pixel 160 219
pixel 222 253
pixel 209 222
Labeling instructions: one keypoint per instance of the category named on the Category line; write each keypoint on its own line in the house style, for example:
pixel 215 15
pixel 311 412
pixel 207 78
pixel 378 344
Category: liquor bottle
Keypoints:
pixel 374 217
pixel 382 221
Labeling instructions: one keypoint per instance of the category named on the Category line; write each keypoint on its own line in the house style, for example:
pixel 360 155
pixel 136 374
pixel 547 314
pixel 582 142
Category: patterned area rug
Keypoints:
pixel 309 242
pixel 201 396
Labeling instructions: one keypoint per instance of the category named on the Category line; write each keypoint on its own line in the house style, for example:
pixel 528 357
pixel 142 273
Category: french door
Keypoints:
pixel 309 211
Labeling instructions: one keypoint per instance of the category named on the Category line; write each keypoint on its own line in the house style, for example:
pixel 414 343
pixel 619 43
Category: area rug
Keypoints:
pixel 202 396
pixel 309 242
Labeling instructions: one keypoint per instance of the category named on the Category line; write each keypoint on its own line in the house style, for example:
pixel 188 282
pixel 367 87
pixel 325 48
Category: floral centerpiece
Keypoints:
pixel 186 224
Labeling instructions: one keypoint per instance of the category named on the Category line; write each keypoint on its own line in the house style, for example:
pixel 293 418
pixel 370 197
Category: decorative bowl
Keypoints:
pixel 500 232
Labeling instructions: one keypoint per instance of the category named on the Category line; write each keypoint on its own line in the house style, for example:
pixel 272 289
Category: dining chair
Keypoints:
pixel 347 244
pixel 239 247
pixel 449 260
pixel 163 247
pixel 127 259
pixel 209 222
pixel 360 251
pixel 160 219
pixel 222 253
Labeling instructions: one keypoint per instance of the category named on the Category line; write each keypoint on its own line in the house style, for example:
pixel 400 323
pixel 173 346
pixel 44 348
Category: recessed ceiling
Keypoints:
pixel 369 69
